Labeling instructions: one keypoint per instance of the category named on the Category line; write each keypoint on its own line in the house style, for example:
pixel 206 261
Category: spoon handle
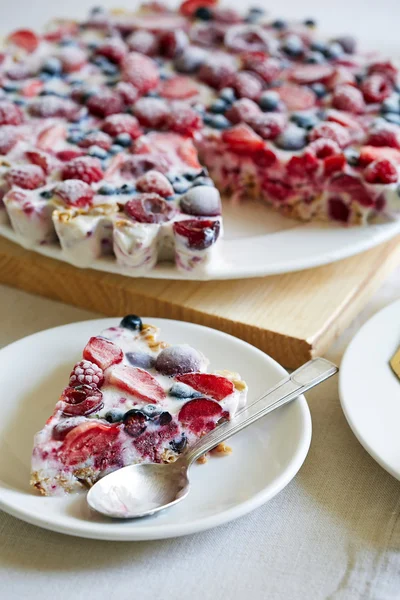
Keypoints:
pixel 307 376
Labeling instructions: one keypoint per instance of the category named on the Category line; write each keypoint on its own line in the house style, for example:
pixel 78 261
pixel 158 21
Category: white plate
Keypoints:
pixel 259 242
pixel 265 457
pixel 369 390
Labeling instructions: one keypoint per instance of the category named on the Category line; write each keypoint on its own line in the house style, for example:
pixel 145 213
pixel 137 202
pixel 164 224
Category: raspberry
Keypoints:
pixel 81 400
pixel 52 106
pixel 268 126
pixel 247 38
pixel 140 71
pixel 173 43
pixel 127 92
pixel 41 159
pixel 50 136
pixel 307 74
pixel 122 123
pixel 105 103
pixel 264 158
pixel 218 71
pixel 184 120
pixel 247 84
pixel 189 7
pixel 86 169
pixel 381 171
pixel 10 114
pixel 149 208
pixel 28 177
pixel 179 88
pixel 88 373
pixel 385 135
pixel 323 147
pixel 266 68
pixel 349 98
pixel 243 111
pixel 331 131
pixel 211 385
pixel 296 97
pixel 143 41
pixel 114 49
pixel 242 139
pixel 155 182
pixel 96 138
pixel 152 112
pixel 200 415
pixel 25 39
pixel 135 381
pixel 72 58
pixel 9 136
pixel 199 234
pixel 302 166
pixel 376 88
pixel 277 190
pixel 384 68
pixel 74 192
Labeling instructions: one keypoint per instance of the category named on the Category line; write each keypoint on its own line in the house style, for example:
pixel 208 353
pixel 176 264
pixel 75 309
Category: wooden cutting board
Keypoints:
pixel 292 317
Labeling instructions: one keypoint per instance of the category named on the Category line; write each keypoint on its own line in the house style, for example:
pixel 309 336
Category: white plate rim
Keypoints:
pixel 169 530
pixel 343 395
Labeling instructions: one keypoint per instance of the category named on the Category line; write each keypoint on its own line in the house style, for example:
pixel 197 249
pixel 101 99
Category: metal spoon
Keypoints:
pixel 143 489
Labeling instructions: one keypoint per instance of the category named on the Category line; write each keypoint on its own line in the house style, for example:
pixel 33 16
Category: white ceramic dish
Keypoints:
pixel 259 242
pixel 265 457
pixel 370 391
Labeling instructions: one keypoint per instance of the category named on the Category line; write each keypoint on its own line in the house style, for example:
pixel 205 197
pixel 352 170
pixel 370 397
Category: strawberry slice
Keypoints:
pixel 200 415
pixel 296 97
pixel 189 7
pixel 179 88
pixel 212 385
pixel 306 74
pixel 137 382
pixel 42 159
pixel 242 139
pixel 188 154
pixel 50 136
pixel 32 88
pixel 369 154
pixel 102 352
pixel 89 440
pixel 25 39
pixel 140 71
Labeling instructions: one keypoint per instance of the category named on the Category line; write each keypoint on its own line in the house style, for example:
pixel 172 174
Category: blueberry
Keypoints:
pixel 74 137
pixel 109 68
pixel 67 42
pixel 279 24
pixel 218 107
pixel 352 156
pixel 19 102
pixel 115 149
pixel 347 42
pixel 318 46
pixel 359 77
pixel 269 101
pixel 177 360
pixel 217 121
pixel 293 45
pixel 152 94
pixel 127 188
pixel 132 322
pixel 52 66
pixel 97 152
pixel 164 76
pixel 182 391
pixel 124 139
pixel 179 445
pixel 202 173
pixel 141 359
pixel 228 95
pixel 180 185
pixel 164 418
pixel 10 87
pixel 254 14
pixel 203 13
pixel 257 10
pixel 135 422
pixel 201 201
pixel 114 415
pixel 190 60
pixel 319 89
pixel 203 181
pixel 334 50
pixel 305 120
pixel 315 58
pixel 293 138
pixel 150 410
pixel 47 194
pixel 112 82
pixel 391 104
pixel 107 189
pixel 96 10
pixel 392 118
pixel 199 108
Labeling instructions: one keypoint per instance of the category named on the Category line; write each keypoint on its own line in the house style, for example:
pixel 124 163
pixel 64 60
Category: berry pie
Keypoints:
pixel 130 399
pixel 118 133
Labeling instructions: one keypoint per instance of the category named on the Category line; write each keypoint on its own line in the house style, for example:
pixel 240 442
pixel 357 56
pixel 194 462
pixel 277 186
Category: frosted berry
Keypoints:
pixel 199 234
pixel 28 177
pixel 385 135
pixel 172 43
pixel 85 168
pixel 332 131
pixel 201 201
pixel 113 49
pixel 381 171
pixel 247 38
pixel 376 88
pixel 10 114
pixel 105 103
pixel 140 71
pixel 242 111
pixel 349 98
pixel 265 67
pixel 122 123
pixel 74 192
pixel 81 400
pixel 247 85
pixel 9 136
pixel 177 360
pixel 149 208
pixel 96 138
pixel 152 112
pixel 184 120
pixel 143 41
pixel 88 373
pixel 154 181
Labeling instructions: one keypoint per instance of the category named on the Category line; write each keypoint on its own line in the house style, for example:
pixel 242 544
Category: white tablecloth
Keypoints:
pixel 333 533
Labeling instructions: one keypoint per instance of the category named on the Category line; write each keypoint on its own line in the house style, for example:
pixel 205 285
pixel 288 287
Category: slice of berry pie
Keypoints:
pixel 130 399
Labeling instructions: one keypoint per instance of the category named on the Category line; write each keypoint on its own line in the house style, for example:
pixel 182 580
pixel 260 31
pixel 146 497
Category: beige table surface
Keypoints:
pixel 333 533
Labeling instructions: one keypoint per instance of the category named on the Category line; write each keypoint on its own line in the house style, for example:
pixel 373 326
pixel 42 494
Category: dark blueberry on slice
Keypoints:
pixel 115 149
pixel 115 415
pixel 183 391
pixel 347 42
pixel 124 139
pixel 10 87
pixel 67 42
pixel 228 95
pixel 269 101
pixel 179 445
pixel 333 51
pixel 74 137
pixel 318 46
pixel 279 24
pixel 107 189
pixel 151 411
pixel 352 156
pixel 47 194
pixel 180 185
pixel 310 23
pixel 359 77
pixel 164 418
pixel 141 359
pixel 293 45
pixel 109 69
pixel 203 13
pixel 177 360
pixel 152 94
pixel 132 322
pixel 19 102
pixel 218 107
pixel 305 120
pixel 52 66
pixel 392 118
pixel 293 138
pixel 203 181
pixel 391 104
pixel 319 89
pixel 190 60
pixel 97 152
pixel 198 234
pixel 135 422
pixel 217 121
pixel 315 58
pixel 190 176
pixel 201 201
pixel 127 188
